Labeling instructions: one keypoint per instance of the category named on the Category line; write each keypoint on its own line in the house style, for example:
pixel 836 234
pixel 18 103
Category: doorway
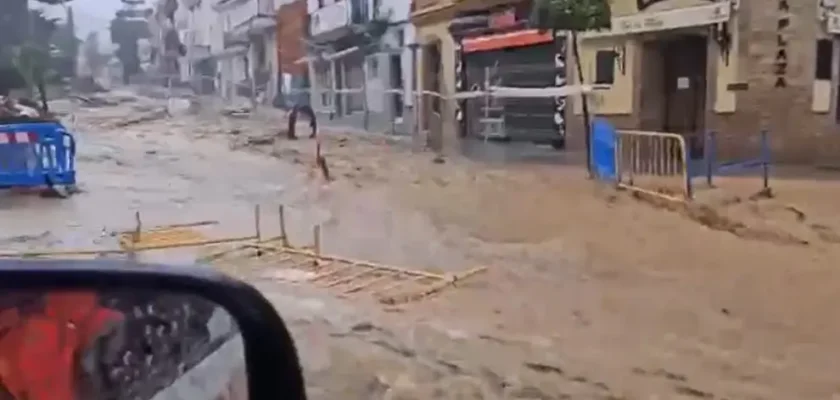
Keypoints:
pixel 432 121
pixel 396 83
pixel 673 84
pixel 673 87
pixel 684 64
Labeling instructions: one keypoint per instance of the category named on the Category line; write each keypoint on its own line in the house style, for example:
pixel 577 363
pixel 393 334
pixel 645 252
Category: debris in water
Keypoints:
pixel 152 116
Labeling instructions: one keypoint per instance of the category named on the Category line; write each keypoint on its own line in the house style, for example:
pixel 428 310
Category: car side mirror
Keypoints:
pixel 112 329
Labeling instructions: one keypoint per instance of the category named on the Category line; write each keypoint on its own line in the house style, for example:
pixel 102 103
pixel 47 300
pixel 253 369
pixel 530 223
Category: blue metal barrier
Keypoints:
pixel 36 154
pixel 603 150
pixel 714 167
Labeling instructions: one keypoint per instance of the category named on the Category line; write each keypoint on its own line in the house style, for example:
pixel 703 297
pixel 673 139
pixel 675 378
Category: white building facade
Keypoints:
pixel 244 47
pixel 351 79
pixel 197 38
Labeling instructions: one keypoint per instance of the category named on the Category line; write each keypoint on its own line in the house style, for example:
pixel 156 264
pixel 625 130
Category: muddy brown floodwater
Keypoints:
pixel 590 293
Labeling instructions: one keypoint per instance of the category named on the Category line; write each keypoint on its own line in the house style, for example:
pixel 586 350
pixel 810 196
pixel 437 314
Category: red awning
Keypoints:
pixel 521 38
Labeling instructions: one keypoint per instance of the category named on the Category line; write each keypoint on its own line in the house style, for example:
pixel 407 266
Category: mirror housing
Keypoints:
pixel 273 367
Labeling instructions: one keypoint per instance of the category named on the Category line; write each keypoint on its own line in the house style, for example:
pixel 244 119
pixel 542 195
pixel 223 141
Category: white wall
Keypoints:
pixel 217 33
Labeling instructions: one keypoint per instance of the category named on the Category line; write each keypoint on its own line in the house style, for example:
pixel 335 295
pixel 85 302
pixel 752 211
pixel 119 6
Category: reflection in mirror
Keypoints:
pixel 115 345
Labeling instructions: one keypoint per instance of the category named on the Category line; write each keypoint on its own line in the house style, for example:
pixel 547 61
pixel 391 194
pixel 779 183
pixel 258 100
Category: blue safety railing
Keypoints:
pixel 712 167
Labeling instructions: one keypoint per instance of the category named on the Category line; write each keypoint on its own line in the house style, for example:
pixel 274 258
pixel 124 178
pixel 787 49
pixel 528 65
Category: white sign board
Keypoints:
pixel 832 23
pixel 666 20
pixel 683 83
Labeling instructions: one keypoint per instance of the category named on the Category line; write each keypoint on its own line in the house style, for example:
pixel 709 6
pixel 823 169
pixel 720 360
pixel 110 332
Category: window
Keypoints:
pixel 605 67
pixel 373 67
pixel 320 3
pixel 825 54
pixel 400 38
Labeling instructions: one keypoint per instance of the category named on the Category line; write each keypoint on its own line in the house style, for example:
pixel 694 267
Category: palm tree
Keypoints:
pixel 574 16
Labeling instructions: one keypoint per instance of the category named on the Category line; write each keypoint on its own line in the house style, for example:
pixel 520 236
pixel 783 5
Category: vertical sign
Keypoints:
pixel 780 61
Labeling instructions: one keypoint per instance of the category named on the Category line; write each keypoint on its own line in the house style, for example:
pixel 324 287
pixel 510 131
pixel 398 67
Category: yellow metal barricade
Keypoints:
pixel 655 163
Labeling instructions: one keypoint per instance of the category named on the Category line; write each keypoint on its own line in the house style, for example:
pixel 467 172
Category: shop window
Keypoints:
pixel 825 49
pixel 605 67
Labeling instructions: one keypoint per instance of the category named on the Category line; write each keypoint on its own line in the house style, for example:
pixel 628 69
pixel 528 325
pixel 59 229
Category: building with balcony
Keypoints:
pixel 246 53
pixel 198 65
pixel 358 73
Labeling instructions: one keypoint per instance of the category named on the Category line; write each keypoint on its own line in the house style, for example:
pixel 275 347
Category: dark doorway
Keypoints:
pixel 396 83
pixel 338 78
pixel 684 71
pixel 431 103
pixel 525 119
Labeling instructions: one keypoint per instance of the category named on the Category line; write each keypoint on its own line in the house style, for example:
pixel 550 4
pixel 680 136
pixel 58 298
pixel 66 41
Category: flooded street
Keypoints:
pixel 589 294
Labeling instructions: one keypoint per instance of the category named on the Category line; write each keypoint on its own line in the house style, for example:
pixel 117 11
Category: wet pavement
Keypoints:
pixel 590 294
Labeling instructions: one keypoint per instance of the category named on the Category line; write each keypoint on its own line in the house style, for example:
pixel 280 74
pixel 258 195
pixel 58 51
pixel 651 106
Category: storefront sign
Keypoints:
pixel 671 19
pixel 666 20
pixel 641 5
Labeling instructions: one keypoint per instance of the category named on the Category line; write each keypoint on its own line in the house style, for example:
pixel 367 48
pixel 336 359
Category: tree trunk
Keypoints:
pixel 584 104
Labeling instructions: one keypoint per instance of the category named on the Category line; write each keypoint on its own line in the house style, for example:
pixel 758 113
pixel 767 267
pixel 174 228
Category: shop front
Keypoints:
pixel 664 65
pixel 692 66
pixel 439 66
pixel 497 48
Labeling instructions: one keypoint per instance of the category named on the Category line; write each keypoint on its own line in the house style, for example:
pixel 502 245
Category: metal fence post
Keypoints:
pixel 765 159
pixel 708 155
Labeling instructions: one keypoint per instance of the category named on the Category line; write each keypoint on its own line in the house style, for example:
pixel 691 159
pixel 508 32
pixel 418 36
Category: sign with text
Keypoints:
pixel 665 20
pixel 832 23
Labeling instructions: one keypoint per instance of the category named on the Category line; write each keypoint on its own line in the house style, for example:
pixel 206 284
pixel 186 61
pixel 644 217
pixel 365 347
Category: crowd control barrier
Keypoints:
pixel 659 163
pixel 713 167
pixel 37 155
pixel 655 163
